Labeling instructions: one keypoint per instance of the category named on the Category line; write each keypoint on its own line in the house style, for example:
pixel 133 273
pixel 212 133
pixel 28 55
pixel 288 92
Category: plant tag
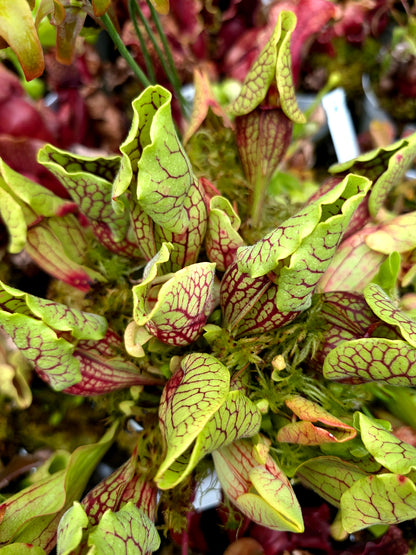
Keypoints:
pixel 340 125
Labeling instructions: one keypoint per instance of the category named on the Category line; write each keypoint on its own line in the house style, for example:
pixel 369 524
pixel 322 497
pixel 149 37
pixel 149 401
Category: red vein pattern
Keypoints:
pixel 272 503
pixel 249 304
pixel 263 137
pixel 121 486
pixel 373 359
pixel 387 311
pixel 103 369
pixel 177 312
pixel 329 477
pixel 194 392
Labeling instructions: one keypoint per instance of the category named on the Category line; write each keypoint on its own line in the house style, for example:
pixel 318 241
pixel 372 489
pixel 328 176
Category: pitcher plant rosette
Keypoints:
pixel 276 363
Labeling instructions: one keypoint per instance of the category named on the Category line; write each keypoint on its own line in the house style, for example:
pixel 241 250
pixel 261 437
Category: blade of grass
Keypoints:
pixel 168 66
pixel 133 11
pixel 175 78
pixel 115 37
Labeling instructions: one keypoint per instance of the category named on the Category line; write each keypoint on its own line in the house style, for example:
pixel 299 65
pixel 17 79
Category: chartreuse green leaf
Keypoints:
pixel 100 6
pixel 186 246
pixel 82 325
pixel 381 304
pixel 174 308
pixel 32 515
pixel 70 529
pixel 329 477
pixel 166 201
pixel 123 486
pixel 17 28
pixel 31 323
pixel 191 397
pixel 222 238
pixel 255 484
pixel 51 355
pixel 264 256
pixel 43 224
pixel 273 504
pixel 298 279
pixel 301 248
pixel 89 182
pixel 399 163
pixel 398 234
pixel 265 111
pixel 22 549
pixel 58 246
pixel 385 166
pixel 397 456
pixel 13 217
pixel 42 201
pixel 144 107
pixel 237 417
pixel 199 414
pixel 127 531
pixel 273 63
pixel 372 359
pixel 388 273
pixel 22 202
pixel 378 499
pixel 164 173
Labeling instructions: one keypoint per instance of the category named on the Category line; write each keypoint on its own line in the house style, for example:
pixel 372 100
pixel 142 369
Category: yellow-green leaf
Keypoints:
pixel 17 28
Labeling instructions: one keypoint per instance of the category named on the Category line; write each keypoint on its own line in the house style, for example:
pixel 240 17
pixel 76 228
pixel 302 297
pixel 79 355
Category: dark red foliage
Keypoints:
pixel 359 20
pixel 392 542
pixel 25 125
pixel 68 105
pixel 19 117
pixel 193 536
pixel 20 154
pixel 315 537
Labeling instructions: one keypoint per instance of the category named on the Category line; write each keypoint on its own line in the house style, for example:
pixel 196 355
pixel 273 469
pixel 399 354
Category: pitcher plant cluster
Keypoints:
pixel 261 358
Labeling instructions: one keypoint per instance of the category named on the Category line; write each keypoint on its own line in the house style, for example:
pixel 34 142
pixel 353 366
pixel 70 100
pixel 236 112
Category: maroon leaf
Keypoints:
pixel 103 368
pixel 347 316
pixel 263 137
pixel 249 304
pixel 123 485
